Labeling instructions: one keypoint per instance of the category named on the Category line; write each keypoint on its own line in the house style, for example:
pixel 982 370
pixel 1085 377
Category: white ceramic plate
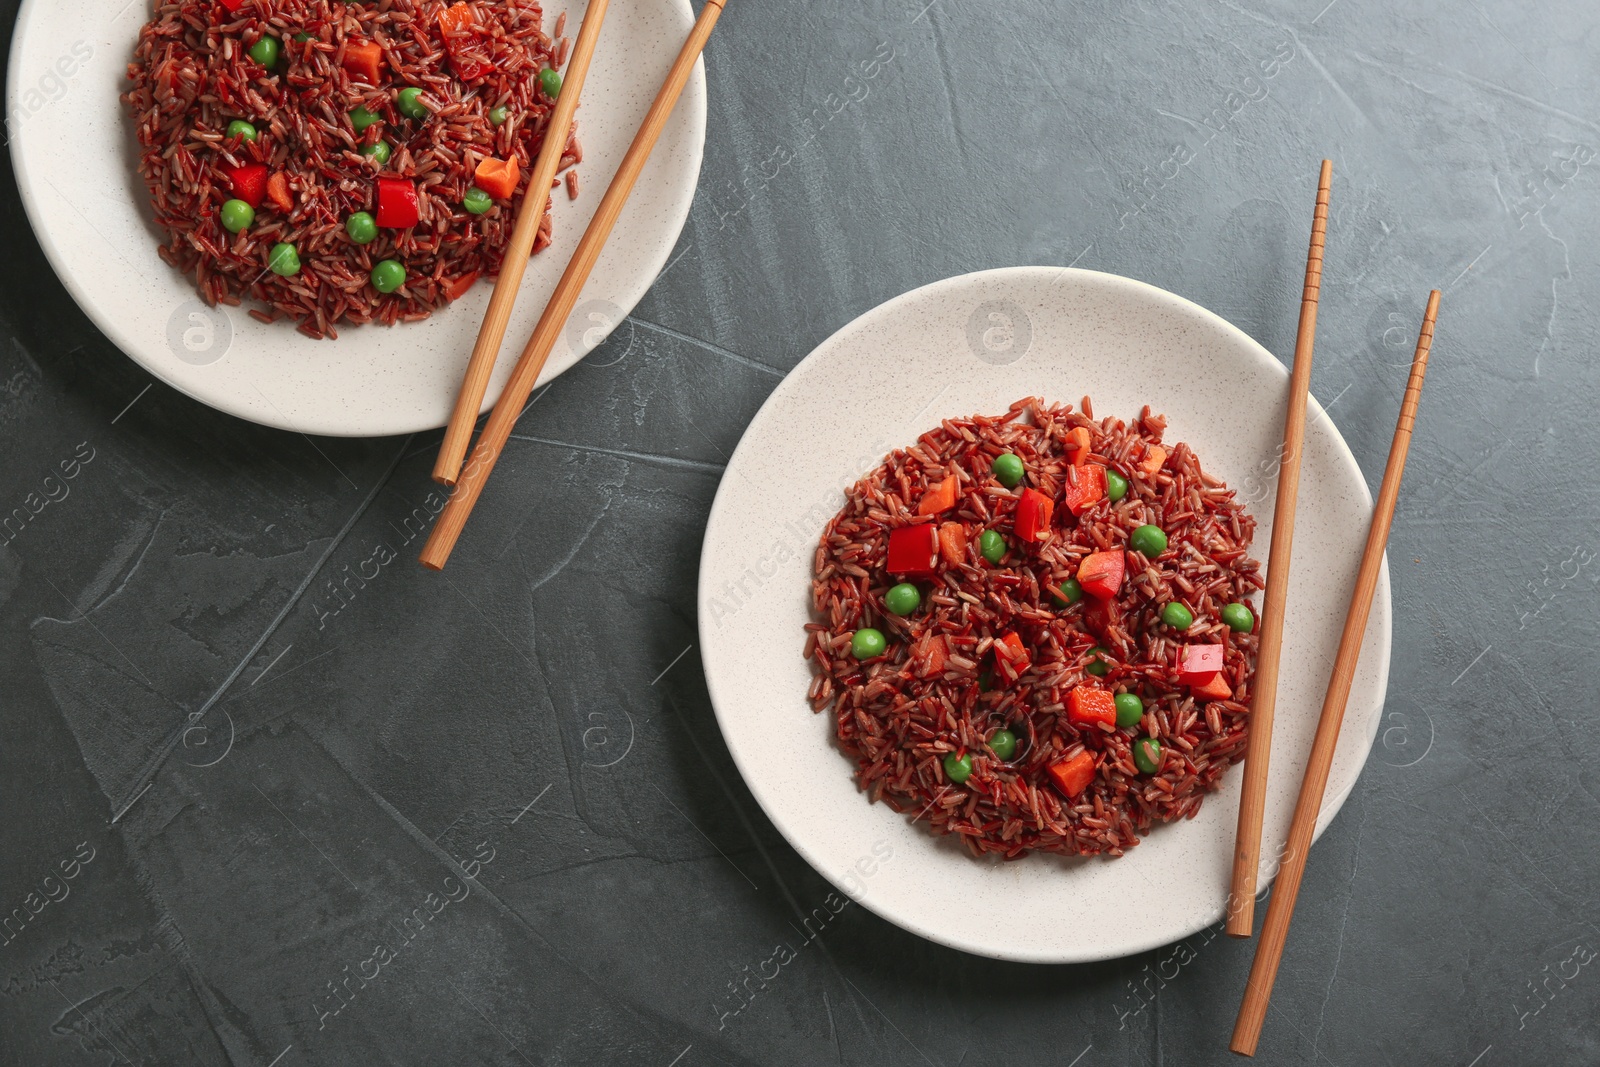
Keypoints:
pixel 76 163
pixel 975 344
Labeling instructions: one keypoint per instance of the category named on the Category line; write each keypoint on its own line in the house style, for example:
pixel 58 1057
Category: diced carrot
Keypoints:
pixel 928 655
pixel 1072 776
pixel 364 59
pixel 1078 445
pixel 1154 457
pixel 498 177
pixel 455 290
pixel 278 192
pixel 1010 657
pixel 456 18
pixel 1213 688
pixel 941 497
pixel 1088 704
pixel 953 543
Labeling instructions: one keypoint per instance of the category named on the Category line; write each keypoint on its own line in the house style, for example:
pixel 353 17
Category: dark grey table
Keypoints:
pixel 269 800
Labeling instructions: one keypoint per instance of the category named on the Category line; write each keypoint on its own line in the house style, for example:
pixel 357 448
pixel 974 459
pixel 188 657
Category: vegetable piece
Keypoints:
pixel 265 52
pixel 364 59
pixel 1147 754
pixel 464 43
pixel 477 201
pixel 1239 618
pixel 388 275
pixel 236 215
pixel 232 5
pixel 940 498
pixel 284 261
pixel 992 546
pixel 249 183
pixel 1097 665
pixel 902 599
pixel 1078 445
pixel 928 655
pixel 1072 776
pixel 498 116
pixel 1071 592
pixel 1177 616
pixel 241 130
pixel 397 203
pixel 456 289
pixel 1003 743
pixel 1148 539
pixel 409 101
pixel 1100 573
pixel 957 768
pixel 1011 659
pixel 378 150
pixel 1154 457
pixel 1088 705
pixel 1116 486
pixel 953 542
pixel 1034 511
pixel 1007 469
pixel 497 177
pixel 1213 688
pixel 867 643
pixel 550 82
pixel 362 227
pixel 1199 662
pixel 1086 487
pixel 278 192
pixel 913 551
pixel 1130 709
pixel 361 118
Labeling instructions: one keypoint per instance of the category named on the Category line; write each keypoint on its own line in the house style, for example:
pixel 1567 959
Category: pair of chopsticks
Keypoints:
pixel 468 480
pixel 1247 850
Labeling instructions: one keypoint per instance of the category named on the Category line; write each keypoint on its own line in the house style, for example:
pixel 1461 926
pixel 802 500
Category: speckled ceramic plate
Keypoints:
pixel 75 157
pixel 974 344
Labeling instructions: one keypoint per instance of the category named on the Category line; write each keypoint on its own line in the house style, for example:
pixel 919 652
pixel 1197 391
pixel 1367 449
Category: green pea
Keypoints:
pixel 550 82
pixel 1116 486
pixel 957 768
pixel 1130 709
pixel 236 215
pixel 477 201
pixel 1097 666
pixel 388 275
pixel 303 37
pixel 498 116
pixel 867 643
pixel 1177 616
pixel 986 681
pixel 361 118
pixel 409 101
pixel 1147 754
pixel 1150 540
pixel 1007 467
pixel 902 599
pixel 992 546
pixel 1239 618
pixel 1003 744
pixel 1071 592
pixel 265 52
pixel 378 150
pixel 362 228
pixel 242 130
pixel 284 260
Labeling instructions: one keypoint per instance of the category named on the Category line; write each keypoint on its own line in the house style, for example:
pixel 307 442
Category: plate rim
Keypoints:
pixel 1333 801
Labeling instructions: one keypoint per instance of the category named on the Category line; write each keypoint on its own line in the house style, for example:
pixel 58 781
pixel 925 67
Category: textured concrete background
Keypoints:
pixel 591 874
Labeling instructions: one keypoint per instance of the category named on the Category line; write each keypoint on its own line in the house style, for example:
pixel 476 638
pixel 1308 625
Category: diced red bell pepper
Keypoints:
pixel 249 183
pixel 458 27
pixel 455 290
pixel 1010 657
pixel 1154 457
pixel 1078 445
pixel 397 203
pixel 1086 487
pixel 953 540
pixel 940 498
pixel 1100 573
pixel 1214 687
pixel 1034 510
pixel 498 177
pixel 1199 662
pixel 928 656
pixel 913 551
pixel 1088 704
pixel 1100 615
pixel 1072 776
pixel 278 192
pixel 364 59
pixel 232 5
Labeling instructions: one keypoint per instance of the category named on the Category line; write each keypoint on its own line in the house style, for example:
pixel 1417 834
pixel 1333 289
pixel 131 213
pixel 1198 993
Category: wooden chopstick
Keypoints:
pixel 1269 950
pixel 535 199
pixel 1247 844
pixel 497 430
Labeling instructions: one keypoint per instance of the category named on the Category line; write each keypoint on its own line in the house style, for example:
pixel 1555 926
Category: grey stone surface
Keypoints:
pixel 490 754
